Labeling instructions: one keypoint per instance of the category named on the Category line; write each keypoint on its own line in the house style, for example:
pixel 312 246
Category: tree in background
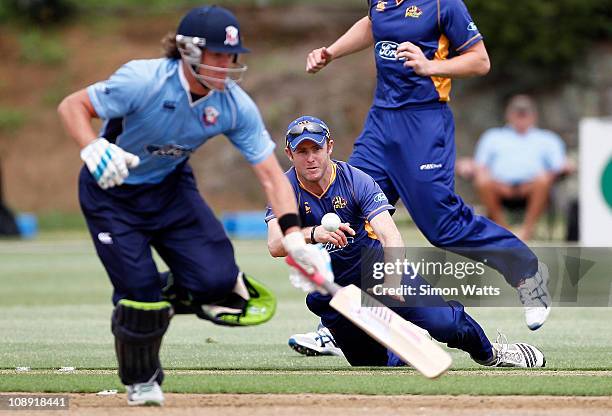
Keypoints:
pixel 42 12
pixel 537 43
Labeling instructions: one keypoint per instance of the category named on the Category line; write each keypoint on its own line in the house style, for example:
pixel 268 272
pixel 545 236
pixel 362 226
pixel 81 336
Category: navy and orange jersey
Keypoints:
pixel 441 28
pixel 356 198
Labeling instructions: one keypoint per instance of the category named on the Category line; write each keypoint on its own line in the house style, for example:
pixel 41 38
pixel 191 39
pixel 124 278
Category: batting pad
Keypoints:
pixel 139 328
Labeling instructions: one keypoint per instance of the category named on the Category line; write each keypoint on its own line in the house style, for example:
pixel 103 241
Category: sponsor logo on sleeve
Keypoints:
pixel 472 27
pixel 380 197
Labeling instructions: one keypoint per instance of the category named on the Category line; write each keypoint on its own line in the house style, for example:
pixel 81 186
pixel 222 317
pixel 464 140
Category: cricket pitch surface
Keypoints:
pixel 335 404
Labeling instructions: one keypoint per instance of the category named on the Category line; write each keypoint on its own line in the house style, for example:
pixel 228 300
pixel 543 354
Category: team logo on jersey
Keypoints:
pixel 211 114
pixel 472 27
pixel 307 208
pixel 380 197
pixel 339 202
pixel 413 11
pixel 380 6
pixel 231 36
pixel 387 49
pixel 170 150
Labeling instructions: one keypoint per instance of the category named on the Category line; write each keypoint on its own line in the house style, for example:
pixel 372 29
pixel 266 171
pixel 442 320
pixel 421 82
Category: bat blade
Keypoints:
pixel 391 330
pixel 400 336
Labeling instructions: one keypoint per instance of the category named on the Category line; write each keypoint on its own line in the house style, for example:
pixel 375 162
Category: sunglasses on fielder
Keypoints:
pixel 310 127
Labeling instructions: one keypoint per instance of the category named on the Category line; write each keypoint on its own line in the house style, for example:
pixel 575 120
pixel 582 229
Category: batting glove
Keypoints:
pixel 313 258
pixel 107 162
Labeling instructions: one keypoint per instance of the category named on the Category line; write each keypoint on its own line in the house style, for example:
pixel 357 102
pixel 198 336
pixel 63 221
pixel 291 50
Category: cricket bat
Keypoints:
pixel 388 328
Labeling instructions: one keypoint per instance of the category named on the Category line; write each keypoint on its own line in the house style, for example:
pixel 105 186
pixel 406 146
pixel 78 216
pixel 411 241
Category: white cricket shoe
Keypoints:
pixel 145 394
pixel 533 293
pixel 514 355
pixel 320 342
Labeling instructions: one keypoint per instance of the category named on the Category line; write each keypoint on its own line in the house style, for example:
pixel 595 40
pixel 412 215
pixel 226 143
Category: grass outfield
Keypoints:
pixel 55 309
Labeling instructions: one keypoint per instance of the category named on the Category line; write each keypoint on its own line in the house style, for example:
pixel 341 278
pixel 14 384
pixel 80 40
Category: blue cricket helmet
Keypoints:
pixel 214 27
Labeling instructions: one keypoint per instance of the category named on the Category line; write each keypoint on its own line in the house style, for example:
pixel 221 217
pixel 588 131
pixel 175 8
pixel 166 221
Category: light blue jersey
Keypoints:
pixel 148 110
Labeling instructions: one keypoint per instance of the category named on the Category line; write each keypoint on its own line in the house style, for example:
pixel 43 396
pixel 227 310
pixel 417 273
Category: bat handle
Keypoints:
pixel 314 277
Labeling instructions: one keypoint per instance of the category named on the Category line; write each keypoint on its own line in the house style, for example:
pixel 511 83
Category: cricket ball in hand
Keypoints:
pixel 331 222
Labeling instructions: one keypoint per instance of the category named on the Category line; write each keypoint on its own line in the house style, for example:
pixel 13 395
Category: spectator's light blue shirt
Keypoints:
pixel 515 158
pixel 148 110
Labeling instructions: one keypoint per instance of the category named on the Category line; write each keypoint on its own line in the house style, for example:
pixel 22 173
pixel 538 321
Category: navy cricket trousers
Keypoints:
pixel 410 153
pixel 127 221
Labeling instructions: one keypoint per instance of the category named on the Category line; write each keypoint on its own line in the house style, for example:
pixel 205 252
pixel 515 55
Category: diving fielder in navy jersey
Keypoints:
pixel 322 185
pixel 407 144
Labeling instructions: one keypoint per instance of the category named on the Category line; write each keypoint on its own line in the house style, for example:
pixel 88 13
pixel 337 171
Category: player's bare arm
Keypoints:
pixel 357 38
pixel 471 63
pixel 282 200
pixel 277 188
pixel 389 236
pixel 76 112
pixel 385 229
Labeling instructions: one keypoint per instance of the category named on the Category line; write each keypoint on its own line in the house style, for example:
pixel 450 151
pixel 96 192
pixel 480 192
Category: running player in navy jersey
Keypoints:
pixel 137 191
pixel 322 185
pixel 407 144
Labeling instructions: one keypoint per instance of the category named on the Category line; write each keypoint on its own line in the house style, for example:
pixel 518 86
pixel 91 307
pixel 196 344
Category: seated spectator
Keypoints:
pixel 517 162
